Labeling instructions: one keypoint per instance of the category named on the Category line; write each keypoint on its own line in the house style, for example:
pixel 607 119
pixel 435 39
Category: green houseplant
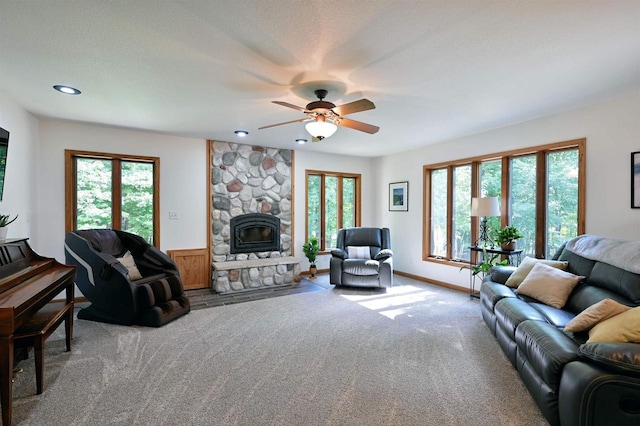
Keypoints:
pixel 489 261
pixel 507 237
pixel 310 249
pixel 5 220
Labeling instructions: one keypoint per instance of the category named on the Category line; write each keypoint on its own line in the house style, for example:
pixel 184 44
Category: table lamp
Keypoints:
pixel 484 207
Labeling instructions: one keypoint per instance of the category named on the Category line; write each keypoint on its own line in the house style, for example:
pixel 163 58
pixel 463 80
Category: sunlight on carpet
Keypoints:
pixel 406 296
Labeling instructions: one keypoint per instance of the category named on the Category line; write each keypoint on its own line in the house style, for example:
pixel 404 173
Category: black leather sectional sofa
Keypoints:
pixel 572 381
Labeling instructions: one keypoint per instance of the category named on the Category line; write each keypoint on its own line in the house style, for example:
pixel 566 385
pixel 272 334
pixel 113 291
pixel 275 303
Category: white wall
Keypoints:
pixel 332 163
pixel 19 195
pixel 612 130
pixel 183 179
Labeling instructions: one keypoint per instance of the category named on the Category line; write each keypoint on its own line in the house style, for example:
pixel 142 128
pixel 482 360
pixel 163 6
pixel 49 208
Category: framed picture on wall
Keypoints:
pixel 399 196
pixel 635 180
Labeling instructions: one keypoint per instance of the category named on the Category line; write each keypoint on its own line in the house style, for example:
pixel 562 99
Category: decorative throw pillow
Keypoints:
pixel 549 285
pixel 595 313
pixel 129 263
pixel 525 267
pixel 624 327
pixel 359 252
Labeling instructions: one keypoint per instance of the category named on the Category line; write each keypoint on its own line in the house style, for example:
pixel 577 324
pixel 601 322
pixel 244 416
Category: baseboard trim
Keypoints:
pixel 432 281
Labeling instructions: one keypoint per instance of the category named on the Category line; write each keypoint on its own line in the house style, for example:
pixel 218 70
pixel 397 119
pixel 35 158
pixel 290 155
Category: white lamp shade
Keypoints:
pixel 485 206
pixel 321 129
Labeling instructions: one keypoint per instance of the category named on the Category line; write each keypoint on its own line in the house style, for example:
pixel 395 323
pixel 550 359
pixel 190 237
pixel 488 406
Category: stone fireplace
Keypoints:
pixel 251 217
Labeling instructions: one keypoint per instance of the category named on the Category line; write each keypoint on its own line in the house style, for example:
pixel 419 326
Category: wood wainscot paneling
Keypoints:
pixel 194 267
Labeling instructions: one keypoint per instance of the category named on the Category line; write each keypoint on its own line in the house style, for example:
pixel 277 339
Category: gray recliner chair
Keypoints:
pixel 363 258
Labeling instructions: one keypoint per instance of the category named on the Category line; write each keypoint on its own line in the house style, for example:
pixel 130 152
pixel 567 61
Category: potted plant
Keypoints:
pixel 489 261
pixel 4 222
pixel 310 249
pixel 507 237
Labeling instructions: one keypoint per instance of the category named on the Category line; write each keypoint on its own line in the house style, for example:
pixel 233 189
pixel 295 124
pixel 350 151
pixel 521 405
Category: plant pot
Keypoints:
pixel 3 232
pixel 508 246
pixel 313 270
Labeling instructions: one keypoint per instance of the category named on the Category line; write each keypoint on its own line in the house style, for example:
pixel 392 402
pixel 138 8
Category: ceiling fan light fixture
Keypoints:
pixel 321 129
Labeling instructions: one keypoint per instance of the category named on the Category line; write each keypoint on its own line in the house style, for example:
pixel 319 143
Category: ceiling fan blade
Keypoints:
pixel 355 106
pixel 358 125
pixel 288 105
pixel 286 122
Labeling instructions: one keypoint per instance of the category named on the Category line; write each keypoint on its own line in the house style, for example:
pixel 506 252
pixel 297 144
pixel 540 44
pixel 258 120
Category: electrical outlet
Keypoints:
pixel 173 215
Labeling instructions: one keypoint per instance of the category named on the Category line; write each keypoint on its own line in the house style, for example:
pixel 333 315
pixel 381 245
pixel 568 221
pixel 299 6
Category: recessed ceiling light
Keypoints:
pixel 241 133
pixel 67 89
pixel 301 141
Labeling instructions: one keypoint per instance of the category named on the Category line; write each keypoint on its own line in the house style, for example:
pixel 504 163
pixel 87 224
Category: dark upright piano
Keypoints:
pixel 28 282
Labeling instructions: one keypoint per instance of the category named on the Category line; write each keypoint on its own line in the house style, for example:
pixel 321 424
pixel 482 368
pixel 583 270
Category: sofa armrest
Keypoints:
pixel 592 395
pixel 622 358
pixel 500 274
pixel 339 253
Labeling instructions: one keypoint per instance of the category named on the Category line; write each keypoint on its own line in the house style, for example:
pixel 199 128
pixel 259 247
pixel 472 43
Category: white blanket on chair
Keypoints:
pixel 620 253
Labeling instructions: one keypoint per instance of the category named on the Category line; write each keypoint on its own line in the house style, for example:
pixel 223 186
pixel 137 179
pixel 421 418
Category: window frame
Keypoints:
pixel 340 213
pixel 541 152
pixel 117 159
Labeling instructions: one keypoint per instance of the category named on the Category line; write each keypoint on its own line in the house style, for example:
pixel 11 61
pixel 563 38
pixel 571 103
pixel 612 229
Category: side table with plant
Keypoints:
pixel 310 249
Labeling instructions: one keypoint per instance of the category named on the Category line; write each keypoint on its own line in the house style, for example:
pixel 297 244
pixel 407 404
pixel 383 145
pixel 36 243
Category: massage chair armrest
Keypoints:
pixel 152 261
pixel 500 274
pixel 621 358
pixel 339 253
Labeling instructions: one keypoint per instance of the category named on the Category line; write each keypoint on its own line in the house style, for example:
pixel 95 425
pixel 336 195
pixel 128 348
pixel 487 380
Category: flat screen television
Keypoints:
pixel 4 144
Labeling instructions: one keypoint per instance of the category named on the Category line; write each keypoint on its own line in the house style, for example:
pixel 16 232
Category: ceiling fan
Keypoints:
pixel 324 117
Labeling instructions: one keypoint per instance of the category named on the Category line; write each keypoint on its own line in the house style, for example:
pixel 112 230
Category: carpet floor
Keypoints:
pixel 415 355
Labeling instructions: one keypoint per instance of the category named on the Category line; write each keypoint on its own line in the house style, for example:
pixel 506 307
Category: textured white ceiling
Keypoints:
pixel 436 70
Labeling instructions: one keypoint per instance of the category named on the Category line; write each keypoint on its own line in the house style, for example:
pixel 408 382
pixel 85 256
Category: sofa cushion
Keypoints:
pixel 511 311
pixel 578 265
pixel 527 265
pixel 548 285
pixel 617 280
pixel 557 317
pixel 547 349
pixel 624 327
pixel 594 314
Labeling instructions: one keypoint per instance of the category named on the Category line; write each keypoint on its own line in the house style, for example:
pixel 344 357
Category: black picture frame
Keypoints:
pixel 635 180
pixel 399 196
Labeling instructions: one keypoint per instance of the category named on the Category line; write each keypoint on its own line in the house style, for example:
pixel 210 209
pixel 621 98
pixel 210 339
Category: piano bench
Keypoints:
pixel 38 329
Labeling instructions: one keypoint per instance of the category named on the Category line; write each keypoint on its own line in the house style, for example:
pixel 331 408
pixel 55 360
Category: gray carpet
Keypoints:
pixel 417 355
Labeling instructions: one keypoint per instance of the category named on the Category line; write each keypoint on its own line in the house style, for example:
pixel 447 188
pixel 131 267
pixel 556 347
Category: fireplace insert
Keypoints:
pixel 254 232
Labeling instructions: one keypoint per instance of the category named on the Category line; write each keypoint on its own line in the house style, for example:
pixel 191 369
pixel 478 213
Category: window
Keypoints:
pixel 113 191
pixel 333 202
pixel 543 188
